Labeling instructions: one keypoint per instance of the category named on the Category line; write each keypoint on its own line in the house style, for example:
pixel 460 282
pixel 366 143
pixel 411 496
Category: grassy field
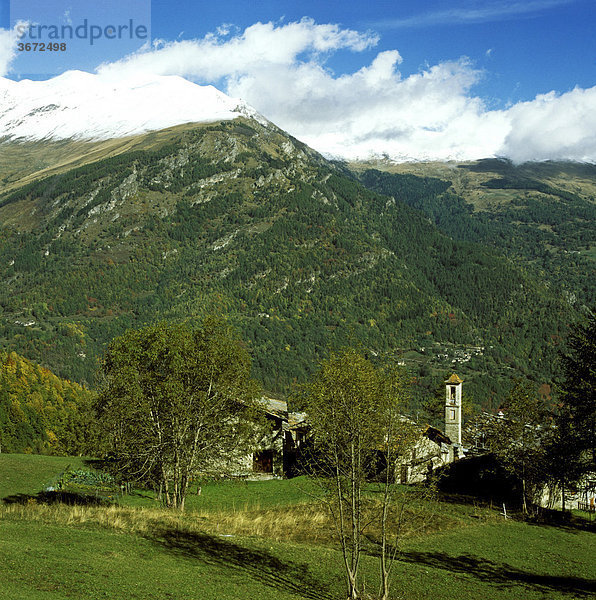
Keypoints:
pixel 237 495
pixel 29 473
pixel 218 550
pixel 24 162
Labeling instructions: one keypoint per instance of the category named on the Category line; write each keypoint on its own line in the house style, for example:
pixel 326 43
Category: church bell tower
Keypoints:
pixel 453 388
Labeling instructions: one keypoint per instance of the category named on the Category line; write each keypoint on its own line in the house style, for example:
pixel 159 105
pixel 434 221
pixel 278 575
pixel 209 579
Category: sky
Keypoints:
pixel 432 80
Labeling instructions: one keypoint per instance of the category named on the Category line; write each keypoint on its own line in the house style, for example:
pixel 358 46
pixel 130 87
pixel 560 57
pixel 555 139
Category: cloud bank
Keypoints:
pixel 553 126
pixel 281 70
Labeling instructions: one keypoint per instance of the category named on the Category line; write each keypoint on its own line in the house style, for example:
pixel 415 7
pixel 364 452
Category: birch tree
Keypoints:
pixel 354 410
pixel 399 435
pixel 176 402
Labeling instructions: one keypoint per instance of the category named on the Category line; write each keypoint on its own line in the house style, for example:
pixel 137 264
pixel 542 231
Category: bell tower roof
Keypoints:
pixel 454 379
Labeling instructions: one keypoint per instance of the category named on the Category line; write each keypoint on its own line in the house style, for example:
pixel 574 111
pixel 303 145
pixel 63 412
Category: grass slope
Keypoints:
pixel 30 473
pixel 237 495
pixel 59 562
pixel 500 562
pixel 22 163
pixel 504 561
pixel 122 552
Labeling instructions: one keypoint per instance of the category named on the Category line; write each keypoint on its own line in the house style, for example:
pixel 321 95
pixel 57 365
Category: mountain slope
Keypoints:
pixel 238 218
pixel 542 215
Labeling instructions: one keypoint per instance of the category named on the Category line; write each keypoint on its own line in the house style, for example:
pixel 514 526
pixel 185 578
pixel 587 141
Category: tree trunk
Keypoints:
pixel 355 524
pixel 383 561
pixel 183 490
pixel 341 527
pixel 166 488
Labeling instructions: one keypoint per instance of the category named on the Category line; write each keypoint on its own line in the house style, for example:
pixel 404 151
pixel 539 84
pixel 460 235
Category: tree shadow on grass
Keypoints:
pixel 56 497
pixel 259 565
pixel 561 520
pixel 502 575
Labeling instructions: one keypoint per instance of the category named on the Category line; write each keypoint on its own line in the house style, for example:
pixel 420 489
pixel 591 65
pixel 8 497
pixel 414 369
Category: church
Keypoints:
pixel 437 448
pixel 278 455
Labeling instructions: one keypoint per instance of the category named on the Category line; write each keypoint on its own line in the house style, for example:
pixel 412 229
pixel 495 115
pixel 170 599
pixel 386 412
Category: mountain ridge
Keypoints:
pixel 239 218
pixel 80 105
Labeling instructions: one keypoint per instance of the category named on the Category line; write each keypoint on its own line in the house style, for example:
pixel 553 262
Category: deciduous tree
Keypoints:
pixel 355 410
pixel 176 401
pixel 519 439
pixel 399 435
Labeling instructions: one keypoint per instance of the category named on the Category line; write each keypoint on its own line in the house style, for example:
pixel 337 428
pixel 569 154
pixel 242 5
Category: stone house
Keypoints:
pixel 277 452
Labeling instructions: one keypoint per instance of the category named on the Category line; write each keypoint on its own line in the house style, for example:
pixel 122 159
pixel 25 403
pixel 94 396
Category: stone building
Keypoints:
pixel 277 452
pixel 453 400
pixel 436 448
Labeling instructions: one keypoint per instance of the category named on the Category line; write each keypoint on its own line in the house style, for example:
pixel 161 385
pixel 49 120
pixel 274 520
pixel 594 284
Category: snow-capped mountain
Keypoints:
pixel 79 105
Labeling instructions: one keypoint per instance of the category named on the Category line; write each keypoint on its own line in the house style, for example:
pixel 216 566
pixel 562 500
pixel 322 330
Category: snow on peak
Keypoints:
pixel 81 105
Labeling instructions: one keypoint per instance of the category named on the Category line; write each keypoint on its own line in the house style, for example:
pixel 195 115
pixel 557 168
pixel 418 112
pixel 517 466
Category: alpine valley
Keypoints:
pixel 480 266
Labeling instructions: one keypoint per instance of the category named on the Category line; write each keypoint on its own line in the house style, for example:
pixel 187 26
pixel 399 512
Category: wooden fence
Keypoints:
pixel 587 506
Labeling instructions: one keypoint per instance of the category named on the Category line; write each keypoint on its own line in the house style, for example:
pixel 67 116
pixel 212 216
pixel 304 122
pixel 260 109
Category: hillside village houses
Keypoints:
pixel 278 454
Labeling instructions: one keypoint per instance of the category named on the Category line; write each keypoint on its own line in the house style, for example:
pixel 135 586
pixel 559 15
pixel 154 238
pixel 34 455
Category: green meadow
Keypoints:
pixel 265 540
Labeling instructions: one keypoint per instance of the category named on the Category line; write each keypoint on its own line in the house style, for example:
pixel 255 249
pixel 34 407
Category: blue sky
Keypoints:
pixel 524 47
pixel 479 68
pixel 532 46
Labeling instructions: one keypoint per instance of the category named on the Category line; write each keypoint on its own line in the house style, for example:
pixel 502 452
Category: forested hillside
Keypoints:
pixel 238 218
pixel 40 412
pixel 542 215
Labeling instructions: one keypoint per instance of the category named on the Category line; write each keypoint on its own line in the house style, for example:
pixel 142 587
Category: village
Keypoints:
pixel 279 454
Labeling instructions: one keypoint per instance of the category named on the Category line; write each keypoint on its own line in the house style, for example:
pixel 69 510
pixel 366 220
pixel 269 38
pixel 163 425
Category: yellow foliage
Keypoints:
pixel 52 439
pixel 34 396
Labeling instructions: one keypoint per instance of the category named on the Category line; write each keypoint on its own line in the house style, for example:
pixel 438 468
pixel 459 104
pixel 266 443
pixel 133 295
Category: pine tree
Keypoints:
pixel 577 417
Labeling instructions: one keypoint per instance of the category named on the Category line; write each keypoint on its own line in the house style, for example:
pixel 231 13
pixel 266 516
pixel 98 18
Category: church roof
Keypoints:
pixel 436 435
pixel 454 379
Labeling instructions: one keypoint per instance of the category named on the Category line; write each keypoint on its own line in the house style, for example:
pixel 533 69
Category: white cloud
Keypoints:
pixel 375 110
pixel 262 44
pixel 281 70
pixel 8 46
pixel 552 126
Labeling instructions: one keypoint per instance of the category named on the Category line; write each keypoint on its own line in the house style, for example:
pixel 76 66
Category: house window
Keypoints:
pixel 263 461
